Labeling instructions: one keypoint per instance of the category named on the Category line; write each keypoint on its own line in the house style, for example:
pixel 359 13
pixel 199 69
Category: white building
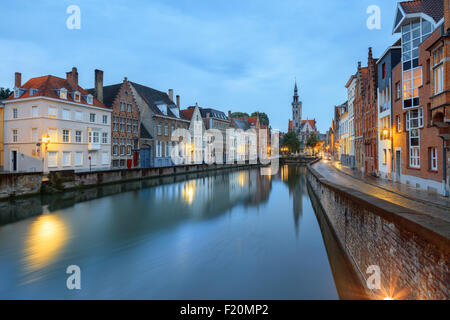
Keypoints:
pixel 351 90
pixel 344 147
pixel 53 124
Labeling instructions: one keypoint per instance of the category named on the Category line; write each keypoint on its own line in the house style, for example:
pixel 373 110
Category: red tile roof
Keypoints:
pixel 188 113
pixel 312 123
pixel 433 8
pixel 47 86
pixel 252 120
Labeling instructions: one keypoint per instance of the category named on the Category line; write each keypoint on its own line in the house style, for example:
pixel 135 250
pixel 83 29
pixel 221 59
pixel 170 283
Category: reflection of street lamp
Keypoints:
pixel 385 131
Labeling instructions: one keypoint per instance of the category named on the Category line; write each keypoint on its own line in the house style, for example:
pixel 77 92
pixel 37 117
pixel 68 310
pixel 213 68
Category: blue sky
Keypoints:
pixel 231 55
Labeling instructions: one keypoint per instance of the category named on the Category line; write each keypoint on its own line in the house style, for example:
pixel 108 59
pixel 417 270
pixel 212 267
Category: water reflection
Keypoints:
pixel 198 236
pixel 46 238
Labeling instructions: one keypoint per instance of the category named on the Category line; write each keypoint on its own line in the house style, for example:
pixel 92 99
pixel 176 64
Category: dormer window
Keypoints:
pixel 33 91
pixel 63 93
pixel 77 96
pixel 17 92
pixel 90 99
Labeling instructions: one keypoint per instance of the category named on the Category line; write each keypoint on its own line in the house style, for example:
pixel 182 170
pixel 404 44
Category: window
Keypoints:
pixel 92 117
pixel 105 158
pixel 122 124
pixel 78 116
pixel 398 90
pixel 414 119
pixel 14 135
pixel 122 107
pixel 15 113
pixel 128 107
pixel 166 129
pixel 66 114
pixel 34 135
pixel 159 128
pixel 122 147
pixel 438 74
pixel 63 93
pixel 414 148
pixel 384 156
pixel 52 112
pixel 78 158
pixel 77 96
pixel 105 119
pixel 34 111
pixel 66 135
pixel 53 135
pixel 128 150
pixel 52 159
pixel 384 70
pixel 33 91
pixel 135 126
pixel 433 159
pixel 78 136
pixel 66 159
pixel 399 123
pixel 128 125
pixel 104 137
pixel 115 150
pixel 115 123
pixel 90 99
pixel 96 138
pixel 412 80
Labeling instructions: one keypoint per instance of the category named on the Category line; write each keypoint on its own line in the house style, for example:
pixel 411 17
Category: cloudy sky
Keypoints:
pixel 238 55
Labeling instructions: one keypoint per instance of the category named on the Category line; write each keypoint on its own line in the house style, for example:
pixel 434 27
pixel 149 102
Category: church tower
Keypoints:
pixel 296 111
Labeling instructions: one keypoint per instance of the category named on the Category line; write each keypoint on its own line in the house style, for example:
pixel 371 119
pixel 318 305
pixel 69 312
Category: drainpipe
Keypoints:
pixel 444 167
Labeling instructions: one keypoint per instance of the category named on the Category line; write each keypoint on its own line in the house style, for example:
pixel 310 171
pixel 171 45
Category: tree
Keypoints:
pixel 239 114
pixel 290 141
pixel 263 118
pixel 312 141
pixel 4 93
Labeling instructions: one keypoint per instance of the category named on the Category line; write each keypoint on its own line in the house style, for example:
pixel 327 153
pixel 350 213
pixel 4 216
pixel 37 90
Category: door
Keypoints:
pixel 398 163
pixel 14 160
pixel 145 158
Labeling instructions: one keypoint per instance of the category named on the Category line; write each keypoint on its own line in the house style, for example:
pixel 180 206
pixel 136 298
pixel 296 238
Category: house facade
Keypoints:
pixel 344 145
pixel 417 159
pixel 52 123
pixel 390 58
pixel 351 91
pixel 125 124
pixel 2 108
pixel 361 79
pixel 197 130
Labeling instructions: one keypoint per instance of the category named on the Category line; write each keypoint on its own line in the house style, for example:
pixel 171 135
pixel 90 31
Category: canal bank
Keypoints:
pixel 32 183
pixel 410 247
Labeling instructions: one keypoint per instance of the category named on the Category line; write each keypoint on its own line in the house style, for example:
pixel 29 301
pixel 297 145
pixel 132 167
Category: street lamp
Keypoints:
pixel 46 141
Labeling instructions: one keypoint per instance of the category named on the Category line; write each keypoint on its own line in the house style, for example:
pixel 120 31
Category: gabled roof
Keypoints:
pixel 240 123
pixel 109 93
pixel 213 113
pixel 49 85
pixel 154 97
pixel 432 10
pixel 312 123
pixel 144 133
pixel 188 113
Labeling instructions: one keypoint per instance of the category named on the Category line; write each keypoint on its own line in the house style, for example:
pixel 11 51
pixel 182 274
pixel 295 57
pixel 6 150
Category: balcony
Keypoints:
pixel 94 146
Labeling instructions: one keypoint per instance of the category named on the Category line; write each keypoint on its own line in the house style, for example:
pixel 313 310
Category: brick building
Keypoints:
pixel 416 140
pixel 370 119
pixel 361 79
pixel 125 124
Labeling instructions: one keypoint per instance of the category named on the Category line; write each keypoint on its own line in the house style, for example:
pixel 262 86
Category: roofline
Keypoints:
pixel 57 100
pixel 396 28
pixel 386 51
pixel 170 118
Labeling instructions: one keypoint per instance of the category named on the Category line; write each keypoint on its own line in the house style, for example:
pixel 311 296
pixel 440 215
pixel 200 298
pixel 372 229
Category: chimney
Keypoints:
pixel 72 78
pixel 178 101
pixel 171 94
pixel 99 85
pixel 17 80
pixel 370 54
pixel 229 114
pixel 446 15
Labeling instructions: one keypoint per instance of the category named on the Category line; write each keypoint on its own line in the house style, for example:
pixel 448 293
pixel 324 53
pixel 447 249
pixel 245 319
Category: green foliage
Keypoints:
pixel 4 93
pixel 312 140
pixel 263 118
pixel 290 140
pixel 239 114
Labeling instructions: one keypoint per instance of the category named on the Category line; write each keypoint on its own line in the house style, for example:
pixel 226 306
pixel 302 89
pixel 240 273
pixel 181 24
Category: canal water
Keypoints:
pixel 225 235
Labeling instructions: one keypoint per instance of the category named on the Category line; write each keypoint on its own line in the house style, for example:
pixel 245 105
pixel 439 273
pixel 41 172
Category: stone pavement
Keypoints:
pixel 422 202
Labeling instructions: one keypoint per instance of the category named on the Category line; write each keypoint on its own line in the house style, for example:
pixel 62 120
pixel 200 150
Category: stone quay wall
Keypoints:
pixel 411 250
pixel 23 184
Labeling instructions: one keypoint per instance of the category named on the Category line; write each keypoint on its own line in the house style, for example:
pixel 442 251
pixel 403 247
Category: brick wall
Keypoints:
pixel 412 258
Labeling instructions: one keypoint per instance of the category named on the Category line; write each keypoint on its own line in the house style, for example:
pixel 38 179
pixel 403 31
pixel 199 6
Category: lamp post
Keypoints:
pixel 45 141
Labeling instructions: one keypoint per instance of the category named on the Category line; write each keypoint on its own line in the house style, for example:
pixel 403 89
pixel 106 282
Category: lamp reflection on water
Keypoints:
pixel 242 179
pixel 46 238
pixel 188 192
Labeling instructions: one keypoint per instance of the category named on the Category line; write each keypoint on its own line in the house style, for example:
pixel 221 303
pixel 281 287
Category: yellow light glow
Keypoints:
pixel 388 298
pixel 242 179
pixel 46 238
pixel 188 192
pixel 46 139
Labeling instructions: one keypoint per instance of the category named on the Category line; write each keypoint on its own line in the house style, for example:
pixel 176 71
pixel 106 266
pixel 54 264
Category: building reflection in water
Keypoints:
pixel 46 238
pixel 294 178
